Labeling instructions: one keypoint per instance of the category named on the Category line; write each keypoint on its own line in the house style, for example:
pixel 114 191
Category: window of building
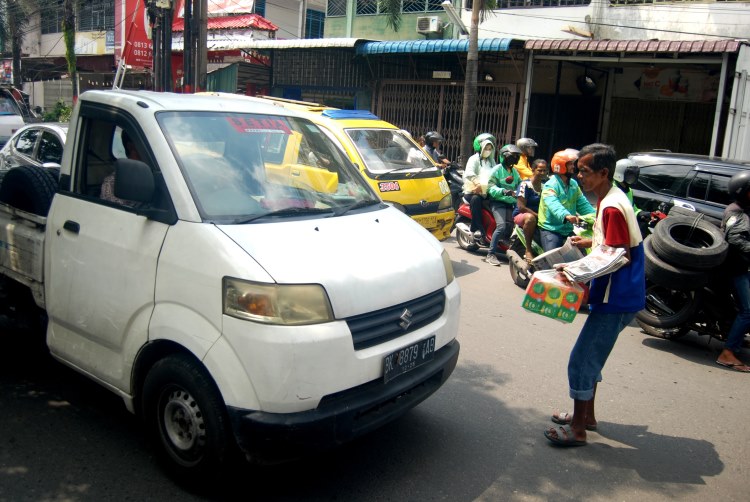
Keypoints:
pixel 517 4
pixel 314 23
pixel 336 8
pixel 51 18
pixel 95 15
pixel 260 7
pixel 365 7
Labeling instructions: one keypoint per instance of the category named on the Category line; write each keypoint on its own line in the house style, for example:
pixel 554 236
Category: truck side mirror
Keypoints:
pixel 134 180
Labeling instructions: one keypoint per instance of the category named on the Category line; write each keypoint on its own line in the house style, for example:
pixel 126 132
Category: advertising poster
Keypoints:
pixel 667 83
pixel 138 51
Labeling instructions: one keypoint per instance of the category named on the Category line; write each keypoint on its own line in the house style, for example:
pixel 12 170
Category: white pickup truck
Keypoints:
pixel 236 297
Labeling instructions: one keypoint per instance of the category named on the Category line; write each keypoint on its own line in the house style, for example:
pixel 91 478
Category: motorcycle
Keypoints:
pixel 520 270
pixel 464 235
pixel 704 301
pixel 454 174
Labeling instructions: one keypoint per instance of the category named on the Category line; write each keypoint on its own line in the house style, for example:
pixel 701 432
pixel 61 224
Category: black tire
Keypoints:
pixel 465 241
pixel 667 309
pixel 55 171
pixel 664 274
pixel 689 243
pixel 665 333
pixel 187 419
pixel 519 277
pixel 29 188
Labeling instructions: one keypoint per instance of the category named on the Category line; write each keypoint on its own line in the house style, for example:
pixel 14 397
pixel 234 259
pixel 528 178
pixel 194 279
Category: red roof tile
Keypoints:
pixel 232 22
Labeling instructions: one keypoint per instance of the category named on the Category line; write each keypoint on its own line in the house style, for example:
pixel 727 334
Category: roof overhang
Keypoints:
pixel 433 46
pixel 607 49
pixel 304 43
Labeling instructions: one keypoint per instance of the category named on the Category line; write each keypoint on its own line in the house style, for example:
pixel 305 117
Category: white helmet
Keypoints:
pixel 626 171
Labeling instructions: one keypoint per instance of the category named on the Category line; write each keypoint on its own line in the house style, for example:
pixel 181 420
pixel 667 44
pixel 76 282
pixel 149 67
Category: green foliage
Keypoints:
pixel 392 10
pixel 60 113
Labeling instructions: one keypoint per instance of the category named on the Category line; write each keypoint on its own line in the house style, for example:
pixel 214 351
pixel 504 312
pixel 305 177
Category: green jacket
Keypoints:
pixel 558 202
pixel 498 183
pixel 629 193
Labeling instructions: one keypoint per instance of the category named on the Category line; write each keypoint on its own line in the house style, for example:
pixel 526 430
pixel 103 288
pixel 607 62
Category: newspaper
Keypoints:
pixel 564 254
pixel 601 261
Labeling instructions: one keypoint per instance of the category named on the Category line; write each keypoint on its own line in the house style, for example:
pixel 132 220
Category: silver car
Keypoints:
pixel 38 144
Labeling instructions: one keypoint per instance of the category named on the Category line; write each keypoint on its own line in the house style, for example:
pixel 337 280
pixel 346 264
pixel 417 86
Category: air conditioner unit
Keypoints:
pixel 429 24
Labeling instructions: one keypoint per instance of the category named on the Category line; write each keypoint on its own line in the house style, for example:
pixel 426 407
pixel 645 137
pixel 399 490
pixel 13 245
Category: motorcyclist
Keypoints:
pixel 528 147
pixel 528 195
pixel 433 141
pixel 501 190
pixel 476 176
pixel 736 226
pixel 562 201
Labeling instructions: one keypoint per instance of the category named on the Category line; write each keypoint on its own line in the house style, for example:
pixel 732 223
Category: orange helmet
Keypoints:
pixel 559 164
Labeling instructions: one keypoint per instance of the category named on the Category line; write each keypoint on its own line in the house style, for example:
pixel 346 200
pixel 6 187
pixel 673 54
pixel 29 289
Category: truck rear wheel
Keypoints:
pixel 187 419
pixel 29 188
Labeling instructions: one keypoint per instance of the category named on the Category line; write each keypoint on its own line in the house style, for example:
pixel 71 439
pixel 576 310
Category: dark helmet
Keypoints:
pixel 739 185
pixel 484 137
pixel 524 143
pixel 432 136
pixel 626 171
pixel 509 151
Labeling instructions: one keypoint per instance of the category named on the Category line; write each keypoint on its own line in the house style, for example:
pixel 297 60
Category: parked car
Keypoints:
pixel 696 182
pixel 38 145
pixel 11 114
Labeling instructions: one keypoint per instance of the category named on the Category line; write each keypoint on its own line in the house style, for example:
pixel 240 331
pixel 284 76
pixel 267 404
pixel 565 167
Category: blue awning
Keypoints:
pixel 432 46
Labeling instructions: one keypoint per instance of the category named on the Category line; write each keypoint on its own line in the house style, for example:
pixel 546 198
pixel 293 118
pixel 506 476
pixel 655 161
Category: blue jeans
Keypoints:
pixel 503 223
pixel 551 240
pixel 741 324
pixel 595 342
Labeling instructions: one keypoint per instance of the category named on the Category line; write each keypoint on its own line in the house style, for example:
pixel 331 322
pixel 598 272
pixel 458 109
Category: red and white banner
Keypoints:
pixel 138 51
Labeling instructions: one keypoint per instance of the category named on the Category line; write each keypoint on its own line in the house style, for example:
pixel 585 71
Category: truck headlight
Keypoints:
pixel 448 266
pixel 282 304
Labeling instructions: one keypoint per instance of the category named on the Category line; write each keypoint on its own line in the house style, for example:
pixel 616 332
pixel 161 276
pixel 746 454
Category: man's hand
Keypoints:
pixel 580 242
pixel 571 218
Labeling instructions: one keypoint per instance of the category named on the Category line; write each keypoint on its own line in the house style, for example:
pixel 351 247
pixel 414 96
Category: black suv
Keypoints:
pixel 696 182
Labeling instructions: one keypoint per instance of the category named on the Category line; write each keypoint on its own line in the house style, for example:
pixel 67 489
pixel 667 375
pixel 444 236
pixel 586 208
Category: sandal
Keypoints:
pixel 565 418
pixel 566 439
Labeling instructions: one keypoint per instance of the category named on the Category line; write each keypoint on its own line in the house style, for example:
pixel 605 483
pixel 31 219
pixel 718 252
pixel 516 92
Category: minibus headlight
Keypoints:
pixel 446 203
pixel 448 266
pixel 282 304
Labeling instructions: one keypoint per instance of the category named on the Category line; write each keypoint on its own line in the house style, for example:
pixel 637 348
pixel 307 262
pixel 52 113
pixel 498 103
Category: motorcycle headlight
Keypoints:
pixel 282 304
pixel 446 203
pixel 448 266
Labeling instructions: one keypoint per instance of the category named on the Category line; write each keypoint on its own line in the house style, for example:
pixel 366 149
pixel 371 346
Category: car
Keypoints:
pixel 11 115
pixel 695 182
pixel 38 145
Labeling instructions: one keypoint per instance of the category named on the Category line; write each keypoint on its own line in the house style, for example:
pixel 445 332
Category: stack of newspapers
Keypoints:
pixel 602 260
pixel 564 254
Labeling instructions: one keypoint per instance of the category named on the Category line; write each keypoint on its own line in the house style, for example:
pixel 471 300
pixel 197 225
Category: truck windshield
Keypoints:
pixel 244 167
pixel 386 150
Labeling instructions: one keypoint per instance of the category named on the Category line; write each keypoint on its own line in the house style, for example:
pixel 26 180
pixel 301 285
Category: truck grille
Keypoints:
pixel 380 326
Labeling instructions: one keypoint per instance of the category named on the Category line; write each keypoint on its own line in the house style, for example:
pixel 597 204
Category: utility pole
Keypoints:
pixel 195 59
pixel 69 34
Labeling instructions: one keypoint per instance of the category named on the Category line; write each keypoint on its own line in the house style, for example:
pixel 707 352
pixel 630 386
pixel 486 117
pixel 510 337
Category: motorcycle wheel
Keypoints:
pixel 667 311
pixel 465 239
pixel 519 277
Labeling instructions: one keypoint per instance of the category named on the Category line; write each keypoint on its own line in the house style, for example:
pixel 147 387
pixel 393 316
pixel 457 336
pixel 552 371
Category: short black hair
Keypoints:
pixel 537 162
pixel 604 157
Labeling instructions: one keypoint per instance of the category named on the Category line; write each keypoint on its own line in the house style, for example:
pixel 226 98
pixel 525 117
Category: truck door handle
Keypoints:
pixel 72 226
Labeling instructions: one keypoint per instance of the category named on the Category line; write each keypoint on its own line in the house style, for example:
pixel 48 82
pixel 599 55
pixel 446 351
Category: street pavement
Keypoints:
pixel 672 424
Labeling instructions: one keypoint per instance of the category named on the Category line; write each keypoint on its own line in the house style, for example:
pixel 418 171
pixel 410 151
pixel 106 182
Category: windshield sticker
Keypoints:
pixel 389 186
pixel 264 125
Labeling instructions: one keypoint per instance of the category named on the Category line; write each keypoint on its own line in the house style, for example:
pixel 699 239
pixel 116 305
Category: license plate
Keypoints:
pixel 408 358
pixel 427 221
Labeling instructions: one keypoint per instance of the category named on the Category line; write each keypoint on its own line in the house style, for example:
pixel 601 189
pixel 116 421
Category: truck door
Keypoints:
pixel 100 255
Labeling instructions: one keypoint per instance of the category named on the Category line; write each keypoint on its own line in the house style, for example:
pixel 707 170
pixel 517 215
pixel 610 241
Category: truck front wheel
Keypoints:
pixel 187 418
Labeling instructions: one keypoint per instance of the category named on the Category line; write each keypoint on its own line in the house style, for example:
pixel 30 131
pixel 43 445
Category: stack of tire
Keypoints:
pixel 29 188
pixel 682 255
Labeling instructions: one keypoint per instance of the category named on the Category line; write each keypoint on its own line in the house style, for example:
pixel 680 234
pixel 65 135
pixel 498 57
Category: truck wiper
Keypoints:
pixel 287 211
pixel 356 205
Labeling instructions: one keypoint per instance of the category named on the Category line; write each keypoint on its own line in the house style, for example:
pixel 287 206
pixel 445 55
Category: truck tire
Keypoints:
pixel 29 188
pixel 665 274
pixel 689 243
pixel 186 416
pixel 667 311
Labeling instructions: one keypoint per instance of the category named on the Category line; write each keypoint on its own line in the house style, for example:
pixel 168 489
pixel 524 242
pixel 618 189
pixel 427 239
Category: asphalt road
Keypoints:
pixel 672 424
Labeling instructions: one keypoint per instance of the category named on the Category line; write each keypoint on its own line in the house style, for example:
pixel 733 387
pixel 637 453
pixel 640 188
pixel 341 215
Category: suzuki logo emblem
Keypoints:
pixel 406 316
pixel 423 203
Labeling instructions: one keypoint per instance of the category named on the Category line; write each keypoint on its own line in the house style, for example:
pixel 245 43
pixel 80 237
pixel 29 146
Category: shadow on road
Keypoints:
pixel 65 438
